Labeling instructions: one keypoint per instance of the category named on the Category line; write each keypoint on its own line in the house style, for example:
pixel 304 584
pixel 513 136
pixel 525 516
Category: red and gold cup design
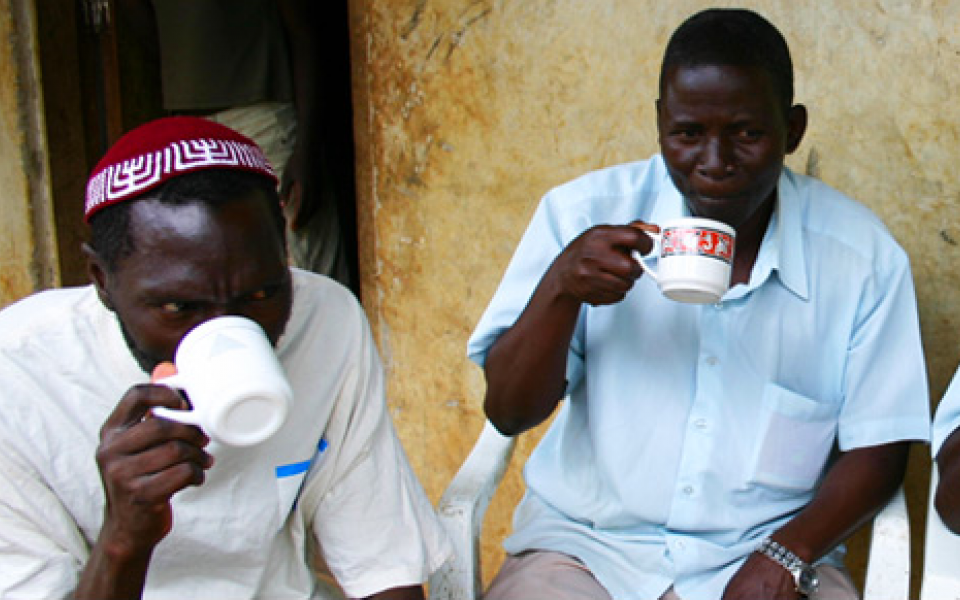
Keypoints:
pixel 696 241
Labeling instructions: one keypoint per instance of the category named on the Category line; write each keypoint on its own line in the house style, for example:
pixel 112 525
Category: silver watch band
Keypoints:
pixel 778 552
pixel 805 578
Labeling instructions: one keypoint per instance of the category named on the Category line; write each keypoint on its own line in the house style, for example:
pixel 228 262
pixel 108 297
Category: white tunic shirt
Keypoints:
pixel 63 367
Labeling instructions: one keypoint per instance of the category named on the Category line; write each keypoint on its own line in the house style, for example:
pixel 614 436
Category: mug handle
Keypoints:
pixel 654 251
pixel 190 417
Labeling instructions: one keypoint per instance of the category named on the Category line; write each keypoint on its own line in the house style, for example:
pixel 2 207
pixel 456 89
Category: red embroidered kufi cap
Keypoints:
pixel 160 150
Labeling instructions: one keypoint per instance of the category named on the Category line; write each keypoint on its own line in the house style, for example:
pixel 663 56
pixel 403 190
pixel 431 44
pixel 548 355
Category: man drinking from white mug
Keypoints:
pixel 101 499
pixel 704 450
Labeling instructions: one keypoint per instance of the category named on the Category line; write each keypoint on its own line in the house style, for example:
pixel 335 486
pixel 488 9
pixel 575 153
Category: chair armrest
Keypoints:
pixel 461 510
pixel 941 577
pixel 888 567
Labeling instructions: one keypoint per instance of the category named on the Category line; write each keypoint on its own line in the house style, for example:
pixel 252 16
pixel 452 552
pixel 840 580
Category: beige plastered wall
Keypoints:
pixel 28 255
pixel 468 111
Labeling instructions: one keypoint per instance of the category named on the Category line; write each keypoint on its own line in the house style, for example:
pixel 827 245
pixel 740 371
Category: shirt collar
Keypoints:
pixel 783 244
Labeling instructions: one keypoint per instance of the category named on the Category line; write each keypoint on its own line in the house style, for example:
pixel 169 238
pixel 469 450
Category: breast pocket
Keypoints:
pixel 794 441
pixel 290 479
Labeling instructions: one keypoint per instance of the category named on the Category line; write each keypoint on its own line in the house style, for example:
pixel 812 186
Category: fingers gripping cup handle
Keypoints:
pixel 190 417
pixel 654 252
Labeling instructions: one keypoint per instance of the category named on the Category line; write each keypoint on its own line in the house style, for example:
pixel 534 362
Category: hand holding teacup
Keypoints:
pixel 596 268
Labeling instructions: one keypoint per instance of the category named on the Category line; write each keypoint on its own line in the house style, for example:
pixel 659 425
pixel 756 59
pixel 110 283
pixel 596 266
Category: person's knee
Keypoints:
pixel 544 574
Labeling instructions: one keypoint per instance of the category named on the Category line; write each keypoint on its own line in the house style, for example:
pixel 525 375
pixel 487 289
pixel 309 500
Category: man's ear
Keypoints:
pixel 796 126
pixel 656 106
pixel 98 272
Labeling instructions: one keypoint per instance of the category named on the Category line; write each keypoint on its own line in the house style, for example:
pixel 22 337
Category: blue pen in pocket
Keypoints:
pixel 290 479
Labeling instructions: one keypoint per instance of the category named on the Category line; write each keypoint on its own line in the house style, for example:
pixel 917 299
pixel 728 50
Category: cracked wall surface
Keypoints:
pixel 28 259
pixel 468 111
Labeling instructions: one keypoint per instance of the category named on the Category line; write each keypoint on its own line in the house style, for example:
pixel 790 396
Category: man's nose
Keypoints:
pixel 716 157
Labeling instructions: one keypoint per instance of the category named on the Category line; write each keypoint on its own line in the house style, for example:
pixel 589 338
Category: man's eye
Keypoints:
pixel 687 134
pixel 264 293
pixel 175 308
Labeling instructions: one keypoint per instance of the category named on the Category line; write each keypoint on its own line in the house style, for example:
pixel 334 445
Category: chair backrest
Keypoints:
pixel 461 510
pixel 941 555
pixel 888 564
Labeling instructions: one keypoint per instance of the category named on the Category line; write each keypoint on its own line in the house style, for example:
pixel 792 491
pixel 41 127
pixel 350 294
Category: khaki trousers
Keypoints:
pixel 543 575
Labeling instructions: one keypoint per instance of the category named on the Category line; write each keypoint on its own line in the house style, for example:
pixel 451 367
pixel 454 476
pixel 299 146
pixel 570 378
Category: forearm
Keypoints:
pixel 113 572
pixel 858 485
pixel 526 366
pixel 143 461
pixel 947 499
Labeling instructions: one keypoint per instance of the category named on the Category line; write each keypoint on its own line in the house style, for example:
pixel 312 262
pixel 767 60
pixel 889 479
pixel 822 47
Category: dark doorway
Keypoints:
pixel 101 78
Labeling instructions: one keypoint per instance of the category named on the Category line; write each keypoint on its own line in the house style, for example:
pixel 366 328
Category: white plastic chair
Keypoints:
pixel 888 564
pixel 941 555
pixel 461 510
pixel 463 504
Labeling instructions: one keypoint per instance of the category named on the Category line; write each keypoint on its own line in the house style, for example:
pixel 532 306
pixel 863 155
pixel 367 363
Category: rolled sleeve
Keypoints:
pixel 948 415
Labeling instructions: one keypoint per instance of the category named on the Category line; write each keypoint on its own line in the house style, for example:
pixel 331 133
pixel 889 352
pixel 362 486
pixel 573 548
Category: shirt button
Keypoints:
pixel 688 490
pixel 700 423
pixel 712 360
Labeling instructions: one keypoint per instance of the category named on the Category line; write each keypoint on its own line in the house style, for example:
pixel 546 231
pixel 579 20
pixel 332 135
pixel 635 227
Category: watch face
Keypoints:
pixel 808 582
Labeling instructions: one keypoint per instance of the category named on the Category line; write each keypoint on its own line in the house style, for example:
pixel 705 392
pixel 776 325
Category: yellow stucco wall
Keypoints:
pixel 27 247
pixel 467 112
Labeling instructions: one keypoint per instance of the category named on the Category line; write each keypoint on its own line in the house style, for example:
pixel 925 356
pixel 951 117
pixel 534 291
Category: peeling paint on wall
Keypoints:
pixel 28 259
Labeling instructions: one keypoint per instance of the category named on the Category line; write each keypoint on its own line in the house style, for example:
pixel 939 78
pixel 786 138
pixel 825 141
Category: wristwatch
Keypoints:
pixel 804 576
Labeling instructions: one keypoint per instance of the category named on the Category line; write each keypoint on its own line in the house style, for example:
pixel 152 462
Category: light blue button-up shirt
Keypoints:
pixel 693 431
pixel 948 415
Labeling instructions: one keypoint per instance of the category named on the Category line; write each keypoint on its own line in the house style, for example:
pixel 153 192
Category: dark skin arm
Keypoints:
pixel 947 498
pixel 299 192
pixel 525 368
pixel 404 593
pixel 859 484
pixel 143 462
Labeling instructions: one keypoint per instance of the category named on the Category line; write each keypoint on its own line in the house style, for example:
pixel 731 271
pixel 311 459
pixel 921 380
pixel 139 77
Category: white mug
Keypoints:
pixel 235 384
pixel 695 259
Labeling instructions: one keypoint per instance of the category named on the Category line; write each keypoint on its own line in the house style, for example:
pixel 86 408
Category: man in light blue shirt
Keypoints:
pixel 946 450
pixel 704 450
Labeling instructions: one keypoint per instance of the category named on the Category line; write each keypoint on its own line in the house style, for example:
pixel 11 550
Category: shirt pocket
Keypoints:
pixel 290 480
pixel 796 435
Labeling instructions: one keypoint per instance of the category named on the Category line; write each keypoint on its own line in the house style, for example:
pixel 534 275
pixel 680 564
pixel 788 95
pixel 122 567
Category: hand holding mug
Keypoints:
pixel 143 462
pixel 596 268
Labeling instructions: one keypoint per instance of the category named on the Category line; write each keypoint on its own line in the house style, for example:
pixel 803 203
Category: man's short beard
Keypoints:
pixel 146 361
